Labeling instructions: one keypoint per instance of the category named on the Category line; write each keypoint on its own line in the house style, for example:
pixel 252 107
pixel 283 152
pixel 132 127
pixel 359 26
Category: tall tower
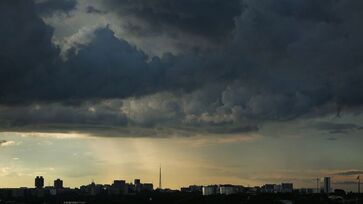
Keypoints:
pixel 160 177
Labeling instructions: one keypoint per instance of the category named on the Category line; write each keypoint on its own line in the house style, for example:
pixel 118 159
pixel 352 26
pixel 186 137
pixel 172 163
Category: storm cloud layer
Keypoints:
pixel 212 19
pixel 50 7
pixel 273 61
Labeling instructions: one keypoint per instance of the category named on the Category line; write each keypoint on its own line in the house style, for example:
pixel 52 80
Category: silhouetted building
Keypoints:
pixel 227 190
pixel 340 192
pixel 192 189
pixel 39 182
pixel 137 185
pixel 210 190
pixel 147 187
pixel 119 184
pixel 287 187
pixel 18 192
pixel 268 188
pixel 118 187
pixel 277 188
pixel 327 185
pixel 74 202
pixel 306 191
pixel 58 184
pixel 92 189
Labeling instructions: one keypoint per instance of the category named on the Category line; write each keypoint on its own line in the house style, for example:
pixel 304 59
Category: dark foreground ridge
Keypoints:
pixel 185 198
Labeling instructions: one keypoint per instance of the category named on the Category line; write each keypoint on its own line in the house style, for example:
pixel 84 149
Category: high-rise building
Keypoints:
pixel 327 185
pixel 137 184
pixel 192 189
pixel 137 181
pixel 147 187
pixel 227 189
pixel 39 182
pixel 287 187
pixel 118 187
pixel 210 190
pixel 269 188
pixel 58 184
pixel 119 183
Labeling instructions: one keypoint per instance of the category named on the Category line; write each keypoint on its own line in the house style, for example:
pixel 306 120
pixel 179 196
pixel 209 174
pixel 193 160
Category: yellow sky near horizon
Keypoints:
pixel 78 159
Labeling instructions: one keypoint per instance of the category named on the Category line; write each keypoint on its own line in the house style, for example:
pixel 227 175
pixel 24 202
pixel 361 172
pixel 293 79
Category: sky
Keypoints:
pixel 240 91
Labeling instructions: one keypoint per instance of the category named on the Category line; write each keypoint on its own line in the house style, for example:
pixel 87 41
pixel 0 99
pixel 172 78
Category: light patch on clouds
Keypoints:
pixel 60 136
pixel 4 143
pixel 202 140
pixel 84 36
pixel 19 171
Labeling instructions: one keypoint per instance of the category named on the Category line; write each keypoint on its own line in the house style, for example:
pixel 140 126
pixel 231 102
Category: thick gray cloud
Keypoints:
pixel 282 60
pixel 349 173
pixel 54 117
pixel 50 7
pixel 302 47
pixel 105 68
pixel 91 9
pixel 337 128
pixel 212 19
pixel 287 59
pixel 26 49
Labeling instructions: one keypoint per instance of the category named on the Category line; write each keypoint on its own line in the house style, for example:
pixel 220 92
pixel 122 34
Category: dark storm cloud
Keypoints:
pixel 58 114
pixel 86 118
pixel 26 50
pixel 49 7
pixel 310 50
pixel 105 68
pixel 286 59
pixel 212 19
pixel 349 173
pixel 91 9
pixel 336 128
